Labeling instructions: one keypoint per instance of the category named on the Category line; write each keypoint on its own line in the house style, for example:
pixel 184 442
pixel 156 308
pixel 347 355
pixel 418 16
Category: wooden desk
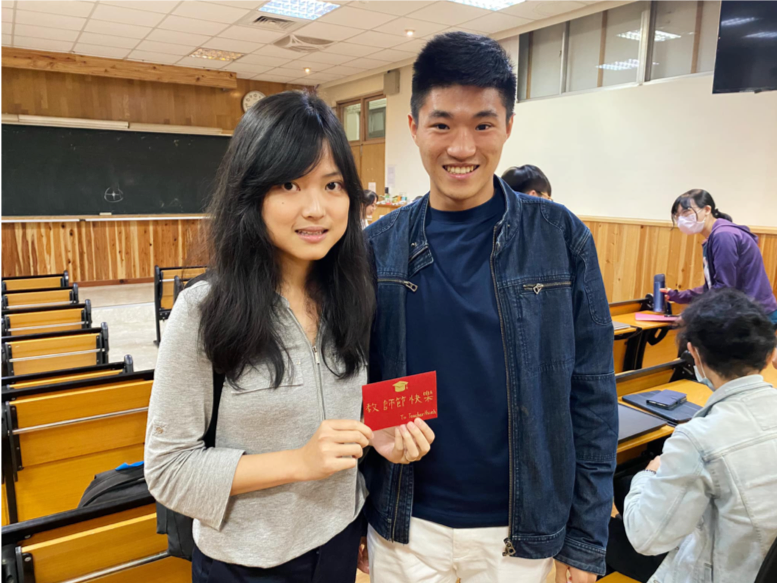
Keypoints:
pixel 631 448
pixel 631 320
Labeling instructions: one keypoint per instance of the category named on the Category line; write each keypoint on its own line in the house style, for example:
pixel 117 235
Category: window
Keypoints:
pixel 608 48
pixel 621 45
pixel 352 115
pixel 685 38
pixel 376 119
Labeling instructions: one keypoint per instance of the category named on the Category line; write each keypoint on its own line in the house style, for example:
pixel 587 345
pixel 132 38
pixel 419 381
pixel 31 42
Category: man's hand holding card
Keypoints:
pixel 395 410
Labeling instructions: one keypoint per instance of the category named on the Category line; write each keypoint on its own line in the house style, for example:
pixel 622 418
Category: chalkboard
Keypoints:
pixel 65 171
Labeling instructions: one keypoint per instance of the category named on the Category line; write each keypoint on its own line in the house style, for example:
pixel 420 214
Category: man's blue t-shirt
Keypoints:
pixel 453 328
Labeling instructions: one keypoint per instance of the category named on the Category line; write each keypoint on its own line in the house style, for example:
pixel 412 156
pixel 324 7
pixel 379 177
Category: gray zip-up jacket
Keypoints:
pixel 268 527
pixel 713 503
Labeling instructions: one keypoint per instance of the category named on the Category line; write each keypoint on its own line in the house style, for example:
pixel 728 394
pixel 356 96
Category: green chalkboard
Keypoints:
pixel 65 171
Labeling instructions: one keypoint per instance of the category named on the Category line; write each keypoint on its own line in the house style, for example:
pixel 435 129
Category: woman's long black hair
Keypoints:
pixel 279 140
pixel 702 198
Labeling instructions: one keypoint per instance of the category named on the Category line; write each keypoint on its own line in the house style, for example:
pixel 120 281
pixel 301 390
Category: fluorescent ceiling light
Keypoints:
pixel 765 34
pixel 215 55
pixel 307 9
pixel 620 65
pixel 737 21
pixel 489 4
pixel 660 35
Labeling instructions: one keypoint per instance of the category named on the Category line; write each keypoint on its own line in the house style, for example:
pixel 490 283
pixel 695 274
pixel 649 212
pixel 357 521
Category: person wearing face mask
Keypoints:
pixel 708 500
pixel 731 256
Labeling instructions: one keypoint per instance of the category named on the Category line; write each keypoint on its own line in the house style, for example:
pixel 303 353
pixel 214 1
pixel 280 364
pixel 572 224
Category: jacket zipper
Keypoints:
pixel 319 381
pixel 408 284
pixel 538 287
pixel 509 548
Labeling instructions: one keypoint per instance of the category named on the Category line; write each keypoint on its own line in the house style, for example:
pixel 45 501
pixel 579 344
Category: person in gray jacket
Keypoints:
pixel 709 499
pixel 284 315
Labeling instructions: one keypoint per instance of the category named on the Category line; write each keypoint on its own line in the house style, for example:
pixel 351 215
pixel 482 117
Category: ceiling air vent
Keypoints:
pixel 303 44
pixel 272 23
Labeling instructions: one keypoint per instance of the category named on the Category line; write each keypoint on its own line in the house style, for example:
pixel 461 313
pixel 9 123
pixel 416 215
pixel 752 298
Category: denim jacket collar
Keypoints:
pixel 418 241
pixel 732 388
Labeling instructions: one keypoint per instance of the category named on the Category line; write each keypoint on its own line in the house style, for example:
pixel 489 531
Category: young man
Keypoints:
pixel 501 294
pixel 529 180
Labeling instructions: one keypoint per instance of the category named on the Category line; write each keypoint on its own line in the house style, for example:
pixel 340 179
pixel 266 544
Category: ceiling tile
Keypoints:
pixel 326 31
pixel 345 70
pixel 239 67
pixel 212 12
pixel 45 32
pixel 450 13
pixel 495 22
pixel 272 78
pixel 7 40
pixel 70 8
pixel 539 10
pixel 416 45
pixel 392 55
pixel 245 4
pixel 378 39
pixel 107 40
pixel 283 74
pixel 42 44
pixel 7 15
pixel 273 51
pixel 397 8
pixel 421 27
pixel 8 3
pixel 351 50
pixel 368 64
pixel 181 38
pixel 152 57
pixel 157 6
pixel 328 58
pixel 8 28
pixel 451 29
pixel 319 78
pixel 192 25
pixel 51 20
pixel 356 18
pixel 297 68
pixel 264 60
pixel 98 51
pixel 126 15
pixel 254 35
pixel 201 63
pixel 128 30
pixel 227 44
pixel 150 46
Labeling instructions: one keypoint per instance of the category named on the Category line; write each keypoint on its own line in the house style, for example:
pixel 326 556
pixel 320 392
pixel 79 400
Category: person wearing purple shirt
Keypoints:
pixel 731 254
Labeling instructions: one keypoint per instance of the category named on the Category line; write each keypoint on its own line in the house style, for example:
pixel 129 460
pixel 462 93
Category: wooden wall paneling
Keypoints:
pixel 116 68
pixel 83 96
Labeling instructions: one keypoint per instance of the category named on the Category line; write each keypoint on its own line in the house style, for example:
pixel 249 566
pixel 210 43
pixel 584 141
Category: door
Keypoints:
pixel 364 121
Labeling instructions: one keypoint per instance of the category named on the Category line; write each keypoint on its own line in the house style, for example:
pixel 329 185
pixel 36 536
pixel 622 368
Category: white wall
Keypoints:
pixel 628 152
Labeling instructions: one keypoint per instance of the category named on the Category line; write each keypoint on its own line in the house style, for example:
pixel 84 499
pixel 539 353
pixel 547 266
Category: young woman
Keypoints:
pixel 370 202
pixel 285 315
pixel 730 252
pixel 708 500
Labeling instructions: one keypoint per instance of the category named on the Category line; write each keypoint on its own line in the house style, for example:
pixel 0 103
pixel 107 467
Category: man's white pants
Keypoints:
pixel 438 554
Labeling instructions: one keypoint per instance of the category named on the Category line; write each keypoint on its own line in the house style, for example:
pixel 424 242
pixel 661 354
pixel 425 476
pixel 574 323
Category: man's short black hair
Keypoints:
pixel 732 333
pixel 460 58
pixel 526 178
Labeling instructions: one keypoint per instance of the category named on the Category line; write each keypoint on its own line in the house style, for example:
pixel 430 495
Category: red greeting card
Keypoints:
pixel 398 401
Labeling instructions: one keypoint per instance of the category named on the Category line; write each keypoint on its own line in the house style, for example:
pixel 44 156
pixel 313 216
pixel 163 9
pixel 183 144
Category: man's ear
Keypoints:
pixel 412 125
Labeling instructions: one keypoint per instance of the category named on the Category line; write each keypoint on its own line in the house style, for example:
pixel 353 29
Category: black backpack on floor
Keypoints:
pixel 177 527
pixel 123 483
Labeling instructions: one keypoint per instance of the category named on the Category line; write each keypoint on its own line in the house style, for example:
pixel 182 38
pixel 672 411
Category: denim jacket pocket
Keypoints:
pixel 543 309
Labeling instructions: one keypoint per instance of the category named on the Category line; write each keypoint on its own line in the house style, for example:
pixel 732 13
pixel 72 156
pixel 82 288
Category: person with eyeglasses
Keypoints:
pixel 731 257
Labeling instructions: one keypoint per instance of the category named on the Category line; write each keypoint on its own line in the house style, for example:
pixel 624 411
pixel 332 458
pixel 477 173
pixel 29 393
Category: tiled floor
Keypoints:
pixel 129 312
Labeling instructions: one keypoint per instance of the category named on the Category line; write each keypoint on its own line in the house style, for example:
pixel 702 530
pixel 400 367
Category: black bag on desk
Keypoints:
pixel 177 527
pixel 126 481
